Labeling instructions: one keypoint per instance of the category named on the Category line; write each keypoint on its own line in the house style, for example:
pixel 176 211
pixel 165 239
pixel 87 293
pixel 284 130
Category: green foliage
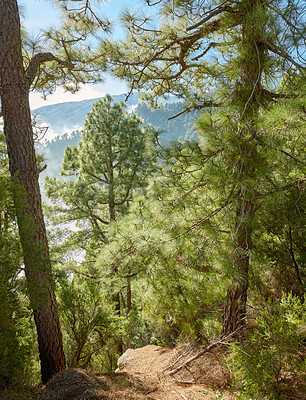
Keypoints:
pixel 16 329
pixel 175 290
pixel 267 363
pixel 111 161
pixel 71 44
pixel 89 325
pixel 226 208
pixel 214 394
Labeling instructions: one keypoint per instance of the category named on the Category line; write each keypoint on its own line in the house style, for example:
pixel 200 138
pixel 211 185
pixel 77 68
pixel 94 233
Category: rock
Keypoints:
pixel 124 360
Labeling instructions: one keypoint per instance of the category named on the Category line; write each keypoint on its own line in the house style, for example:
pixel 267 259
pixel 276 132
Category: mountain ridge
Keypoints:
pixel 72 114
pixel 67 119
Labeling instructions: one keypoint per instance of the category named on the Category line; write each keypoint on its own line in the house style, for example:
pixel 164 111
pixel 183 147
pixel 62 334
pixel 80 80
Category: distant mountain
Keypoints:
pixel 179 128
pixel 66 117
pixel 70 117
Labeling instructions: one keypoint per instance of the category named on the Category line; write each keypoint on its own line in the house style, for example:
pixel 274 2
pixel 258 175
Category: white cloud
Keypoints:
pixel 61 96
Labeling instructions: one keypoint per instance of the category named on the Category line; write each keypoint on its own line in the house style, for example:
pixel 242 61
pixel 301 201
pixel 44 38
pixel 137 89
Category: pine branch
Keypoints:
pixel 283 188
pixel 40 170
pixel 280 52
pixel 205 104
pixel 39 59
pixel 273 95
pixel 105 181
pixel 212 14
pixel 291 156
pixel 99 219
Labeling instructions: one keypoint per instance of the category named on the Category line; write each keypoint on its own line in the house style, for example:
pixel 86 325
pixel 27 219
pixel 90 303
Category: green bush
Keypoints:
pixel 90 325
pixel 266 363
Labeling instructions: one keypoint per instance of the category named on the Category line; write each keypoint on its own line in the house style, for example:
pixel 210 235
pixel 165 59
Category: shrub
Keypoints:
pixel 266 363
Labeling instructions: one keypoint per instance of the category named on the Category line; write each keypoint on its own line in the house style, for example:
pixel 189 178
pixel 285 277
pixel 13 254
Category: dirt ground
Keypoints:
pixel 148 373
pixel 188 372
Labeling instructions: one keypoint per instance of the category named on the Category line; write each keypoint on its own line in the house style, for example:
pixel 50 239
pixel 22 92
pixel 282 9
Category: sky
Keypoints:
pixel 41 14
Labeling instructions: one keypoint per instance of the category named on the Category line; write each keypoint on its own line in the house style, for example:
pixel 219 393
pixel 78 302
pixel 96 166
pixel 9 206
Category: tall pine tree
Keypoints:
pixel 19 72
pixel 227 55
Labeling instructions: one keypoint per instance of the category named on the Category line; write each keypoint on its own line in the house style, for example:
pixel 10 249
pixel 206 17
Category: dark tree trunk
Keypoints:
pixel 14 90
pixel 128 295
pixel 234 316
pixel 116 299
pixel 248 97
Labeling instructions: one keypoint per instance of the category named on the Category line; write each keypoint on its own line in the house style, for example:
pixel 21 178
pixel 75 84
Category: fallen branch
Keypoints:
pixel 184 353
pixel 201 353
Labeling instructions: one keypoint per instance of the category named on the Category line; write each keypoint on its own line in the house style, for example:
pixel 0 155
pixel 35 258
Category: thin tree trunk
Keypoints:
pixel 23 168
pixel 112 217
pixel 296 267
pixel 128 294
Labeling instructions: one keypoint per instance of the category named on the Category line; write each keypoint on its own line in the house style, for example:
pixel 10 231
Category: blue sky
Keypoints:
pixel 37 14
pixel 41 14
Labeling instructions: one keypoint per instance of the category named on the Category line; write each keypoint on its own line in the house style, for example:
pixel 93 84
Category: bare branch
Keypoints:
pixel 223 340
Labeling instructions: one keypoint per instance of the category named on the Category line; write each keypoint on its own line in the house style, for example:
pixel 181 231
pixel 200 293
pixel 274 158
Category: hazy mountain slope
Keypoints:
pixel 53 152
pixel 72 115
pixel 180 127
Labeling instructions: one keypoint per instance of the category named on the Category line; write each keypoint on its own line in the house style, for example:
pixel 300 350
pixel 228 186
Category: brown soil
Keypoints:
pixel 147 374
pixel 150 373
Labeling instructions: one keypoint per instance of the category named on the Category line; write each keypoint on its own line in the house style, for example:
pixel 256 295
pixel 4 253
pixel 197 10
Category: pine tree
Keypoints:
pixel 18 73
pixel 226 55
pixel 111 162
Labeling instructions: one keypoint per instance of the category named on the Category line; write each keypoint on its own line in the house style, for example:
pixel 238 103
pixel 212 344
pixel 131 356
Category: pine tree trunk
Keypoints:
pixel 112 217
pixel 23 168
pixel 247 97
pixel 234 316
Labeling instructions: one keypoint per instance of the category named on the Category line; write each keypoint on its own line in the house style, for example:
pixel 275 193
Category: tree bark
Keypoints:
pixel 14 91
pixel 248 97
pixel 234 316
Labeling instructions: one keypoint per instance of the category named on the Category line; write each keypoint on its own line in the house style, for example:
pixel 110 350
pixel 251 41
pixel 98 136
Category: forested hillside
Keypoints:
pixel 71 115
pixel 181 239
